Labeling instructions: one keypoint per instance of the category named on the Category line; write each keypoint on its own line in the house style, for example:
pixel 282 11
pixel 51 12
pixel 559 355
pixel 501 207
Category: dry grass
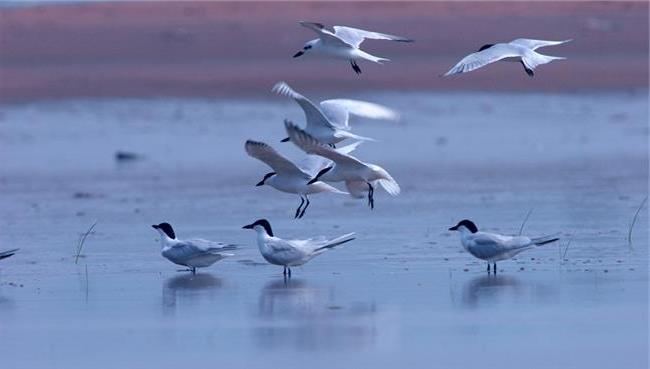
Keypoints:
pixel 82 240
pixel 636 215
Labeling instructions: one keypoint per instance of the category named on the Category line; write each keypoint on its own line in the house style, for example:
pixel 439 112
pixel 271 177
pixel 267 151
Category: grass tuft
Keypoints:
pixel 82 240
pixel 523 224
pixel 636 215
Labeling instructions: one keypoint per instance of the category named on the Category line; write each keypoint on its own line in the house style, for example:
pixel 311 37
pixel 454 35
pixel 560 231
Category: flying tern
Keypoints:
pixel 344 43
pixel 328 121
pixel 521 50
pixel 344 167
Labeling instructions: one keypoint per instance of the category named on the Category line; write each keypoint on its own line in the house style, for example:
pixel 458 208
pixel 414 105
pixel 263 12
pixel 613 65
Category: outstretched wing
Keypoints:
pixel 355 36
pixel 312 146
pixel 314 116
pixel 535 44
pixel 482 58
pixel 272 158
pixel 338 111
pixel 325 35
pixel 312 164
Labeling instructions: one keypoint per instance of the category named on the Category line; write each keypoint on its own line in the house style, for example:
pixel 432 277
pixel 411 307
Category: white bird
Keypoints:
pixel 344 43
pixel 328 122
pixel 521 50
pixel 495 247
pixel 344 167
pixel 194 253
pixel 289 253
pixel 7 253
pixel 288 177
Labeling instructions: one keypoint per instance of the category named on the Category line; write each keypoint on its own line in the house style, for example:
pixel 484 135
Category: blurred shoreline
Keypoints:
pixel 210 49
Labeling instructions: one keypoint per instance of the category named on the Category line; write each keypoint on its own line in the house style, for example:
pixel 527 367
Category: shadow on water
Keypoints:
pixel 189 288
pixel 494 289
pixel 303 317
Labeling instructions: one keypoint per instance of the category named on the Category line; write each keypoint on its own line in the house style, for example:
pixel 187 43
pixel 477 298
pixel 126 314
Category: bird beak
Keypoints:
pixel 155 226
pixel 260 183
pixel 250 226
pixel 285 139
pixel 454 228
pixel 315 179
pixel 299 53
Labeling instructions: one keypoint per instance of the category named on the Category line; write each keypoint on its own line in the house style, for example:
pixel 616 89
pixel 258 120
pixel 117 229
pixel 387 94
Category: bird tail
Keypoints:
pixel 336 242
pixel 8 253
pixel 543 240
pixel 532 59
pixel 372 58
pixel 350 135
pixel 386 181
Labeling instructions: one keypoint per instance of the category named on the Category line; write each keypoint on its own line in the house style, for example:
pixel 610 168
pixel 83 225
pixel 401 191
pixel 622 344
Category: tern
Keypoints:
pixel 288 177
pixel 7 253
pixel 328 121
pixel 521 50
pixel 289 253
pixel 194 253
pixel 493 247
pixel 344 167
pixel 344 43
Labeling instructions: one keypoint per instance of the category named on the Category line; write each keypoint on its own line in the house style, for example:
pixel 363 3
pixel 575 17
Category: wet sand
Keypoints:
pixel 404 294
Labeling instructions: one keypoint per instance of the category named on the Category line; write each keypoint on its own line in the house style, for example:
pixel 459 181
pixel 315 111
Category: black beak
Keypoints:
pixel 315 179
pixel 250 226
pixel 285 139
pixel 299 53
pixel 454 228
pixel 155 226
pixel 260 183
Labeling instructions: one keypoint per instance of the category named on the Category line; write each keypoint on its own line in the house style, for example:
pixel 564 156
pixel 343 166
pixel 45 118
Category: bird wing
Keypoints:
pixel 198 245
pixel 535 44
pixel 325 35
pixel 312 146
pixel 272 158
pixel 312 164
pixel 338 111
pixel 314 116
pixel 288 250
pixel 8 253
pixel 482 58
pixel 355 36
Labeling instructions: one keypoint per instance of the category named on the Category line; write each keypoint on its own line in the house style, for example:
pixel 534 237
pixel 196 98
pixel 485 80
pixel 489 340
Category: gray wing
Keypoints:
pixel 338 111
pixel 312 146
pixel 312 164
pixel 482 58
pixel 325 35
pixel 355 36
pixel 314 116
pixel 204 246
pixel 535 44
pixel 267 154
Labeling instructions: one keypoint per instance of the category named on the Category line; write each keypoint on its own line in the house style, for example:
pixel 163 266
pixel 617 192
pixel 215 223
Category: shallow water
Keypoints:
pixel 403 294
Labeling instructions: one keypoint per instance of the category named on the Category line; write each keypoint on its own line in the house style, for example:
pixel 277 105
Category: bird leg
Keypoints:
pixel 194 270
pixel 289 269
pixel 488 267
pixel 284 272
pixel 528 70
pixel 371 196
pixel 302 201
pixel 495 268
pixel 332 146
pixel 355 67
pixel 305 208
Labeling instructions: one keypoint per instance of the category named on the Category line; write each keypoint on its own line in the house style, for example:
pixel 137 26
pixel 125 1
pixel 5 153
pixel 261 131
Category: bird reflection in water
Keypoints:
pixel 294 314
pixel 189 288
pixel 493 289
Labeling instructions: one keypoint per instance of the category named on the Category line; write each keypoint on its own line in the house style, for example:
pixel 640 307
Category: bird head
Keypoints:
pixel 305 49
pixel 267 176
pixel 165 229
pixel 260 225
pixel 465 225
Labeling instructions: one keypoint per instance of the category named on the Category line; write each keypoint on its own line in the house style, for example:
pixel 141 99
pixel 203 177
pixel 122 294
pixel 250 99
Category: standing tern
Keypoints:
pixel 288 177
pixel 495 247
pixel 7 253
pixel 329 121
pixel 194 253
pixel 344 167
pixel 289 253
pixel 344 43
pixel 521 50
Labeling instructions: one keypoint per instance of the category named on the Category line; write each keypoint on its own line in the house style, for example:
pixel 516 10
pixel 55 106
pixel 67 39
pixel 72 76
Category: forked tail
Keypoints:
pixel 337 242
pixel 543 240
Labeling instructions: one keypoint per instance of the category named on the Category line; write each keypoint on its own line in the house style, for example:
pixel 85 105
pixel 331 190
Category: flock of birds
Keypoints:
pixel 327 125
